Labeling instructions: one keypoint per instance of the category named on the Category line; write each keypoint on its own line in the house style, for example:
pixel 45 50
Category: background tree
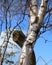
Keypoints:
pixel 13 14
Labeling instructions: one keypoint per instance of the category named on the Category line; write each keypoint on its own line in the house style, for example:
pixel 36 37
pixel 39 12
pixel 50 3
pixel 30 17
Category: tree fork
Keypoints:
pixel 36 20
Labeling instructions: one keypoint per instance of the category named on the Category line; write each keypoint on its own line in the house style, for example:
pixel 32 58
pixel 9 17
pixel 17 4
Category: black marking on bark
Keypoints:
pixel 35 22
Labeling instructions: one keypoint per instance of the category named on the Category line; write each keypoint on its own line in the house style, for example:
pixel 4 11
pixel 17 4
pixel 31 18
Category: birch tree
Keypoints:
pixel 36 20
pixel 17 10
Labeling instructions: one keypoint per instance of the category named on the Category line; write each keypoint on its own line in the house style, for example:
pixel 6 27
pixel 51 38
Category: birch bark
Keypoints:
pixel 36 20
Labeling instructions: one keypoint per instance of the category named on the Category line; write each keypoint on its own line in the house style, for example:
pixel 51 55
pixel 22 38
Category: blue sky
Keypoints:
pixel 44 49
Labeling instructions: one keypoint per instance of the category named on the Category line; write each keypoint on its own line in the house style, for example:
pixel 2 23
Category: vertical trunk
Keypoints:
pixel 36 20
pixel 28 56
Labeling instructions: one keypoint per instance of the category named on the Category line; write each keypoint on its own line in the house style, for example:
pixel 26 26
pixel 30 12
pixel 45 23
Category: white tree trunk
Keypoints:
pixel 36 20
